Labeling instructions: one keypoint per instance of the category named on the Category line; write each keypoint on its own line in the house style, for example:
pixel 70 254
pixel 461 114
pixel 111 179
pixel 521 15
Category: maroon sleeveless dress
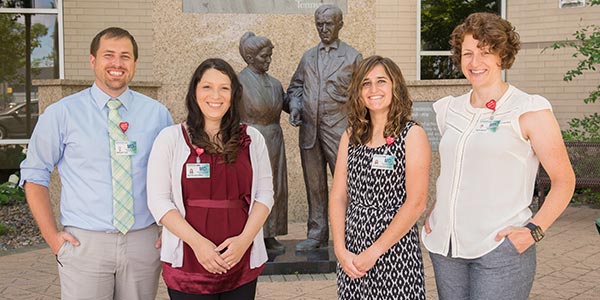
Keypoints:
pixel 217 207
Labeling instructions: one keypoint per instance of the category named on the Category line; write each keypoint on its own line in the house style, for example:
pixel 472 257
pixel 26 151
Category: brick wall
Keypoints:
pixel 396 34
pixel 83 19
pixel 541 23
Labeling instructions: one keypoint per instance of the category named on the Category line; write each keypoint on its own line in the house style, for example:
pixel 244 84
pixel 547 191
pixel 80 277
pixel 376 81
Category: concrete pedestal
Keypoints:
pixel 291 261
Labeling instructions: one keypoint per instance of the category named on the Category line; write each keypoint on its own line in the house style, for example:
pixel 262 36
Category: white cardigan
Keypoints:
pixel 167 158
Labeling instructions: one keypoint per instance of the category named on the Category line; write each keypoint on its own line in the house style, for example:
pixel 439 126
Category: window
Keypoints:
pixel 571 3
pixel 30 35
pixel 436 20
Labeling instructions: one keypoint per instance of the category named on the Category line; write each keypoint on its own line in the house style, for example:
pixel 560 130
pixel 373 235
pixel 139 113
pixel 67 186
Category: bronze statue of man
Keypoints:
pixel 317 95
pixel 263 99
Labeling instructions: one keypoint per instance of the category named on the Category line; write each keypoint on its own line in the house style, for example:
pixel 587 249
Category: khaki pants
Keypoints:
pixel 107 266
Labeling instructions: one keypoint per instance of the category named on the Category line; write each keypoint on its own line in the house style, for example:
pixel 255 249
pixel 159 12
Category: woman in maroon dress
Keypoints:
pixel 210 185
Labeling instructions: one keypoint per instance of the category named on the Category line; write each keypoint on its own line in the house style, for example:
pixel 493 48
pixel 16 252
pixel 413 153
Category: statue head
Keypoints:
pixel 256 51
pixel 329 22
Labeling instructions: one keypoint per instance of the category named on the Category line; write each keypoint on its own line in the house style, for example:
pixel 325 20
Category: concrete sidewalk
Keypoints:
pixel 568 268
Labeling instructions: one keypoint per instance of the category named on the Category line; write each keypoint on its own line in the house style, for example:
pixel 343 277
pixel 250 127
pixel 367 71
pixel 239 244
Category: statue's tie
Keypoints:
pixel 326 57
pixel 121 172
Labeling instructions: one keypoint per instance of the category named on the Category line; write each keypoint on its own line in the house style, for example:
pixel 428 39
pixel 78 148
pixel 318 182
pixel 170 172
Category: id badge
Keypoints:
pixel 125 148
pixel 201 170
pixel 488 125
pixel 383 162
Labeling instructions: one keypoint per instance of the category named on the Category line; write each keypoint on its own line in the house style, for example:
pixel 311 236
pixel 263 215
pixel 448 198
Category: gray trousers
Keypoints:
pixel 107 266
pixel 502 274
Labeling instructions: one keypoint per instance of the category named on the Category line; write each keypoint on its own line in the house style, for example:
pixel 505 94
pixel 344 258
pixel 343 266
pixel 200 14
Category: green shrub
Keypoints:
pixel 4 229
pixel 11 156
pixel 587 197
pixel 587 50
pixel 583 130
pixel 9 194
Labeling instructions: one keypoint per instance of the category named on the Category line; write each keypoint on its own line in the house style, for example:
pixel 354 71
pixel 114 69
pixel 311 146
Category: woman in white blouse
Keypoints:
pixel 481 233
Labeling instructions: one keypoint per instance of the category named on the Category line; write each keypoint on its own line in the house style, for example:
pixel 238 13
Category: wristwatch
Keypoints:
pixel 536 232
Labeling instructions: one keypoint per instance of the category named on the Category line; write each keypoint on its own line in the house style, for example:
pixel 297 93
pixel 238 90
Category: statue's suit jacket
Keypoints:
pixel 306 91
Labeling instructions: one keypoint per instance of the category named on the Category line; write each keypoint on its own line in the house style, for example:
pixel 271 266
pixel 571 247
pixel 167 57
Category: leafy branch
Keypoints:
pixel 587 50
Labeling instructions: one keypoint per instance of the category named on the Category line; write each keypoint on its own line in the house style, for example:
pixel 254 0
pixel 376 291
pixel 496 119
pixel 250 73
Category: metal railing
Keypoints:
pixel 14 142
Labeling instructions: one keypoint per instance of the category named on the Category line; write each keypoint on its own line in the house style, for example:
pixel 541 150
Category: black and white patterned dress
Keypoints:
pixel 374 198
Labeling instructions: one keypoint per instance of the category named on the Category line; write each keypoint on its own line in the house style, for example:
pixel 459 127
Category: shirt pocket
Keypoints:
pixel 86 146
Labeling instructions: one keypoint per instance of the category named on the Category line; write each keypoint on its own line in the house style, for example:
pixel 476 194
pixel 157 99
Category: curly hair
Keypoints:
pixel 359 120
pixel 229 133
pixel 490 30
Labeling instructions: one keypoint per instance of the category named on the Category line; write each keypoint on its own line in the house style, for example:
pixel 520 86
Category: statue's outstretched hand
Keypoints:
pixel 295 117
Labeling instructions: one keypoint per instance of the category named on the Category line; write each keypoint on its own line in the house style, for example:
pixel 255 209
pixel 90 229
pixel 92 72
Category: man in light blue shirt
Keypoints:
pixel 95 259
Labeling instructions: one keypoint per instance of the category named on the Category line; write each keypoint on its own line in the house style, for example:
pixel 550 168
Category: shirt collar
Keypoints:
pixel 333 45
pixel 101 98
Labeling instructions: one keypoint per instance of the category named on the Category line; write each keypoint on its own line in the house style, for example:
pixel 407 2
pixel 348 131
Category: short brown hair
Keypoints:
pixel 110 33
pixel 490 30
pixel 359 119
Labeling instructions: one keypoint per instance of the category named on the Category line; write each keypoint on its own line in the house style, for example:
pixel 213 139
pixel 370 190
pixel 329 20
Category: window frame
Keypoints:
pixel 58 12
pixel 566 3
pixel 421 53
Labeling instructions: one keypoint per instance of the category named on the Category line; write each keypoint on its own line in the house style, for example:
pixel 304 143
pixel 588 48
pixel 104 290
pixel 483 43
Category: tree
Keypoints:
pixel 12 39
pixel 438 20
pixel 440 17
pixel 13 48
pixel 14 3
pixel 587 50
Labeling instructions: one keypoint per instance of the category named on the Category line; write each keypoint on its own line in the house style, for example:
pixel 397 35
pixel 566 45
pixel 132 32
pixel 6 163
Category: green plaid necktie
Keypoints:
pixel 121 172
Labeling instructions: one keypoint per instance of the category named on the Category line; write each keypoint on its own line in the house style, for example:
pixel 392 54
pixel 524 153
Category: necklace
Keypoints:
pixel 199 151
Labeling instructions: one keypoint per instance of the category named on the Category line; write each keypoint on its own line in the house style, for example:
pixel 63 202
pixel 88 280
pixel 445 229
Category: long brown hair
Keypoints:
pixel 359 119
pixel 229 132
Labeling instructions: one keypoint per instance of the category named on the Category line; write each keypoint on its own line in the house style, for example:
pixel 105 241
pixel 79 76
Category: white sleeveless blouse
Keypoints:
pixel 487 177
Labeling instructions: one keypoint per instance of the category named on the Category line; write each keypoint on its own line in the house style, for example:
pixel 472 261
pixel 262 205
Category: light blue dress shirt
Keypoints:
pixel 72 134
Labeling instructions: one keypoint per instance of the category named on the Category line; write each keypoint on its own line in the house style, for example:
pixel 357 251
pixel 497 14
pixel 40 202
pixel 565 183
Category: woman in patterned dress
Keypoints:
pixel 379 189
pixel 210 185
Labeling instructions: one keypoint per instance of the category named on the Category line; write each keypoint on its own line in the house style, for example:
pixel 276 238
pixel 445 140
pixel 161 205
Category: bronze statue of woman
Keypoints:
pixel 262 102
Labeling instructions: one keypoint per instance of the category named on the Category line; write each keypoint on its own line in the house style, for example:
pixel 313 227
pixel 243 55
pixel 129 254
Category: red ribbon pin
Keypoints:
pixel 491 104
pixel 124 126
pixel 389 140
